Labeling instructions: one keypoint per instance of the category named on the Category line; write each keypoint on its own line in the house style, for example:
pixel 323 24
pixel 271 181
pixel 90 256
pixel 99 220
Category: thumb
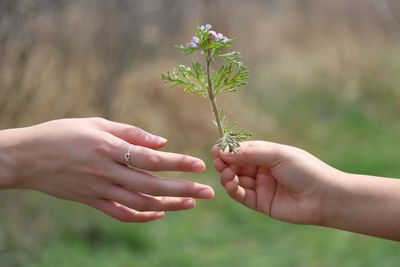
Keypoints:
pixel 259 153
pixel 133 135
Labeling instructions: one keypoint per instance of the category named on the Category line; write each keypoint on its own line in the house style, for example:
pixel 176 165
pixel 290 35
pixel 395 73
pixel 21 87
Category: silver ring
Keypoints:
pixel 128 156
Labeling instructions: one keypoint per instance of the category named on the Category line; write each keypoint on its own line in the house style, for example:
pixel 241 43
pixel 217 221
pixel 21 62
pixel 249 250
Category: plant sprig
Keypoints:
pixel 209 82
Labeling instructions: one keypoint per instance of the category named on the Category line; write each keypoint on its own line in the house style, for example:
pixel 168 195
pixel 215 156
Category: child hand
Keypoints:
pixel 281 181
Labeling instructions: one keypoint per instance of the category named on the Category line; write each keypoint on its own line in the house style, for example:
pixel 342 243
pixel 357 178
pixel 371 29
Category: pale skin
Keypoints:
pixel 82 160
pixel 290 184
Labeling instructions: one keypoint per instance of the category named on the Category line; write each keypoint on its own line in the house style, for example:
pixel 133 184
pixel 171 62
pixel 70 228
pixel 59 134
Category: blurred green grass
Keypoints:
pixel 222 233
pixel 358 135
pixel 327 83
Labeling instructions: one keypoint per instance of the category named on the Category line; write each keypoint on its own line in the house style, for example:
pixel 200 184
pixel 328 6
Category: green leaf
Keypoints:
pixel 231 75
pixel 193 82
pixel 187 50
pixel 219 77
pixel 232 57
pixel 217 45
pixel 239 79
pixel 230 138
pixel 231 141
pixel 200 75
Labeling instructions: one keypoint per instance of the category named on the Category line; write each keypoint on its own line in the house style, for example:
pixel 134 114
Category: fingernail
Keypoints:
pixel 189 203
pixel 160 139
pixel 198 166
pixel 160 214
pixel 155 139
pixel 206 193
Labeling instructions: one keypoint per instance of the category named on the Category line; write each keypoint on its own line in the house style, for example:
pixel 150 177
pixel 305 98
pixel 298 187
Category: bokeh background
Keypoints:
pixel 325 76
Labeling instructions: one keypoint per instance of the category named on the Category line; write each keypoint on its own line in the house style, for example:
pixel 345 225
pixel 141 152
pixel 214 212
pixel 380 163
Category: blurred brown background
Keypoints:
pixel 103 58
pixel 324 76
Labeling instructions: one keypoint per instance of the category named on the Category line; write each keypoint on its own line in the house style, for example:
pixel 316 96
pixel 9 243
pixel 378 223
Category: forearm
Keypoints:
pixel 9 169
pixel 368 205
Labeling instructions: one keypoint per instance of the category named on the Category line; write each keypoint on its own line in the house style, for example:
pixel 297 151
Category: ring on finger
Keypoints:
pixel 128 156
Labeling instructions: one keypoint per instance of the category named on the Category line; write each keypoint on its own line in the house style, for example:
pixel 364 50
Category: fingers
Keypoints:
pixel 255 153
pixel 122 213
pixel 247 182
pixel 132 134
pixel 230 181
pixel 147 183
pixel 250 170
pixel 153 160
pixel 142 202
pixel 219 165
pixel 227 175
pixel 214 151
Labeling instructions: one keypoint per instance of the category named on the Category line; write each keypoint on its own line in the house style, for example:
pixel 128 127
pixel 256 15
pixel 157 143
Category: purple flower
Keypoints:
pixel 218 36
pixel 214 34
pixel 206 27
pixel 193 45
pixel 195 40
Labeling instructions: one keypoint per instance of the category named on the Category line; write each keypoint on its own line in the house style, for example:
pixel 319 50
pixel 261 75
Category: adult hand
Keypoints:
pixel 83 160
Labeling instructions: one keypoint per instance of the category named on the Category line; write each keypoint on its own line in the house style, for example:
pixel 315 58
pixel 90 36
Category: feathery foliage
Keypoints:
pixel 209 82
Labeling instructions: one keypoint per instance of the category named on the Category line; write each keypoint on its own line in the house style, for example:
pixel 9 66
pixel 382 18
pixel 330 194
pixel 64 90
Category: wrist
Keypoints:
pixel 338 199
pixel 9 164
pixel 366 204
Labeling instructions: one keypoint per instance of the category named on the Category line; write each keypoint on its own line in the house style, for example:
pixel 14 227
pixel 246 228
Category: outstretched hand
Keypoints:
pixel 281 181
pixel 83 160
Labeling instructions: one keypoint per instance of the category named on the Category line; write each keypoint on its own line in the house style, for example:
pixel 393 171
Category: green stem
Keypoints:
pixel 211 95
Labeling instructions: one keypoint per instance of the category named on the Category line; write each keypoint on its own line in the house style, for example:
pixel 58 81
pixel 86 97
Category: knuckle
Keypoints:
pixel 100 191
pixel 231 193
pixel 246 151
pixel 153 187
pixel 97 170
pixel 182 161
pixel 157 204
pixel 139 204
pixel 154 160
pixel 101 148
pixel 136 131
pixel 216 163
pixel 225 178
pixel 124 218
pixel 98 121
pixel 225 173
pixel 133 131
pixel 231 187
pixel 106 144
